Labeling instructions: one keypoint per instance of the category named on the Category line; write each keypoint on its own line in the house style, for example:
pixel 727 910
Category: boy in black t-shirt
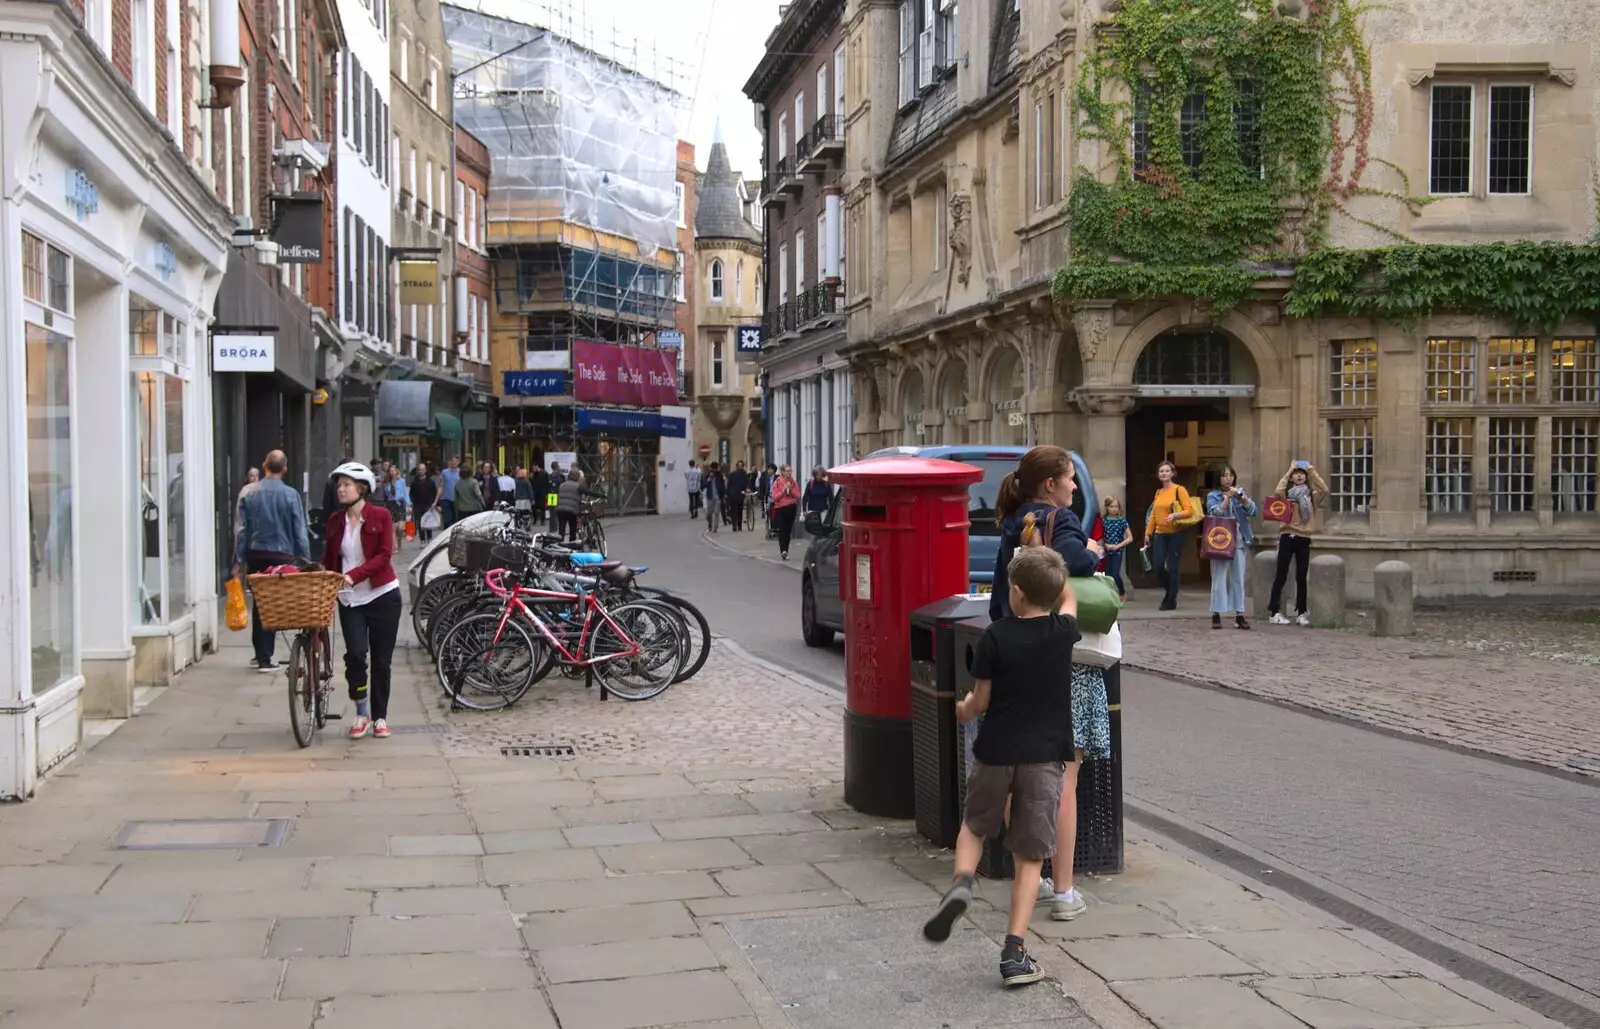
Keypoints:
pixel 1023 673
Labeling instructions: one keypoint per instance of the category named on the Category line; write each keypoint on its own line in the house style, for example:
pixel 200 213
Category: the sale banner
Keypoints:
pixel 608 373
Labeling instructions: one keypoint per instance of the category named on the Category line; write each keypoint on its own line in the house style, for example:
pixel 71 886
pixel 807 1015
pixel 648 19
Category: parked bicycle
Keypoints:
pixel 302 603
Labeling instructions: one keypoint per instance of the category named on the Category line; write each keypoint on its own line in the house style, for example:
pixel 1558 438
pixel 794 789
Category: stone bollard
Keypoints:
pixel 1392 591
pixel 1325 591
pixel 1263 566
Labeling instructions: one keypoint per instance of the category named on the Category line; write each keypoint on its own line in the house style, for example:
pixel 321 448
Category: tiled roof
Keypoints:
pixel 719 213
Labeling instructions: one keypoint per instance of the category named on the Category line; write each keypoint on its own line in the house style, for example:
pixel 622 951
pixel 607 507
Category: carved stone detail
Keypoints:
pixel 1094 331
pixel 961 235
pixel 1105 402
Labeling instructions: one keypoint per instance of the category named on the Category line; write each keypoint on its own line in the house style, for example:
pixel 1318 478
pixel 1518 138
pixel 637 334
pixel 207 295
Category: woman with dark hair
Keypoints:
pixel 785 504
pixel 1229 500
pixel 1165 537
pixel 1305 491
pixel 1033 509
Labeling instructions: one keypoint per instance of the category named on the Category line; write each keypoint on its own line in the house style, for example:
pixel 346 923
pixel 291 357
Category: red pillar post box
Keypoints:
pixel 905 545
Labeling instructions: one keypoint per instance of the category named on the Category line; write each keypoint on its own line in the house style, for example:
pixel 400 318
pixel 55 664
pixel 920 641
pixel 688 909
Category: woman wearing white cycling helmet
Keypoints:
pixel 360 543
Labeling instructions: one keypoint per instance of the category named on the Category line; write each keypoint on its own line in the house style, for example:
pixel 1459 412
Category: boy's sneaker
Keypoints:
pixel 1279 619
pixel 1302 620
pixel 1047 889
pixel 1019 968
pixel 952 906
pixel 1064 907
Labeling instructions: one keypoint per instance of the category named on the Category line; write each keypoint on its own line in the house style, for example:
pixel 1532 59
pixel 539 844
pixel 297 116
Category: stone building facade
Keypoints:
pixel 1465 445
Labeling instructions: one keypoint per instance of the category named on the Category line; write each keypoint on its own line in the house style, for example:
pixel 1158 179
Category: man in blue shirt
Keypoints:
pixel 273 532
pixel 447 491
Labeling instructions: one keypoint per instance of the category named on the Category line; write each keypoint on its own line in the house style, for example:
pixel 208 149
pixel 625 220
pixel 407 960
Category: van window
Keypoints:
pixel 981 496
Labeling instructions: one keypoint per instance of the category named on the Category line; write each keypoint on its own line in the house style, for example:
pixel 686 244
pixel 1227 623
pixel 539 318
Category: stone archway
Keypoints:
pixel 1007 389
pixel 953 400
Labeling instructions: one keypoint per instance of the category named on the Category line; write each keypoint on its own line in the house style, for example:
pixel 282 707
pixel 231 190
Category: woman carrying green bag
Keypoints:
pixel 1033 509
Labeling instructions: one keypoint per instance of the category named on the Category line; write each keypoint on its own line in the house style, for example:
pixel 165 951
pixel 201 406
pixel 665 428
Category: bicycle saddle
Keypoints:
pixel 586 559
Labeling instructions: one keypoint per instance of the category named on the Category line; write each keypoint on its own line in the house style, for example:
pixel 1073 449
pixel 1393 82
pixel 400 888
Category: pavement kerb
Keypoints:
pixel 831 692
pixel 713 541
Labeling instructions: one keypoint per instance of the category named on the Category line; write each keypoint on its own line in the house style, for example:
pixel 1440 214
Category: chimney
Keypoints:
pixel 226 75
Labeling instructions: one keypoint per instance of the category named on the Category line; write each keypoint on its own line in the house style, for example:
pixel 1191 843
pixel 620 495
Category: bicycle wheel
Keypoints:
pixel 654 632
pixel 431 597
pixel 324 677
pixel 698 630
pixel 486 668
pixel 597 538
pixel 302 691
pixel 450 612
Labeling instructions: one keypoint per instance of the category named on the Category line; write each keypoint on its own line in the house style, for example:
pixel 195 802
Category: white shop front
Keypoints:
pixel 111 252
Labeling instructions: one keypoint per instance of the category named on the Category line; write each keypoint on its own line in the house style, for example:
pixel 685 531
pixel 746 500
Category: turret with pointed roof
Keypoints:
pixel 719 212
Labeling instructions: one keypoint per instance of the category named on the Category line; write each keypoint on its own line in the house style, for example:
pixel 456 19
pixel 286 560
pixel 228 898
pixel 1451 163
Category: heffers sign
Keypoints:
pixel 607 373
pixel 297 228
pixel 243 354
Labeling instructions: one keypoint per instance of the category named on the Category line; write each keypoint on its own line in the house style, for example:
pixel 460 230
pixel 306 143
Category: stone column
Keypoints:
pixel 1104 445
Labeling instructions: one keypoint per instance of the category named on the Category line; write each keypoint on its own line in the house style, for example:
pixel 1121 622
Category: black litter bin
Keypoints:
pixel 1099 846
pixel 936 657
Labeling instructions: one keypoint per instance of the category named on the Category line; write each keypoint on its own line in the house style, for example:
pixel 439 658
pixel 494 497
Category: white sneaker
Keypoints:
pixel 1279 619
pixel 1047 889
pixel 1065 907
pixel 1302 620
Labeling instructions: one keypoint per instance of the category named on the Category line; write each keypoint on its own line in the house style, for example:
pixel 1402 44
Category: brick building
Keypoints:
pixel 473 283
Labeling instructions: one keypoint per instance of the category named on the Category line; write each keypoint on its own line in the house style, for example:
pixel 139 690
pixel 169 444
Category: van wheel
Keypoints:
pixel 815 635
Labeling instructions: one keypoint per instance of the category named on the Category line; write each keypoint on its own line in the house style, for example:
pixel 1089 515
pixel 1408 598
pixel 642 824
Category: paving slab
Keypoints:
pixel 512 793
pixel 664 807
pixel 441 900
pixel 408 974
pixel 772 879
pixel 736 825
pixel 149 944
pixel 645 787
pixel 65 910
pixel 712 907
pixel 541 866
pixel 518 841
pixel 1155 957
pixel 296 1014
pixel 1305 952
pixel 525 1009
pixel 686 856
pixel 220 979
pixel 433 934
pixel 626 959
pixel 655 1000
pixel 611 891
pixel 393 872
pixel 1103 920
pixel 383 805
pixel 607 925
pixel 435 846
pixel 36 880
pixel 873 882
pixel 33 987
pixel 533 816
pixel 612 834
pixel 231 907
pixel 1373 1002
pixel 1203 1004
pixel 831 845
pixel 327 937
pixel 264 873
pixel 872 967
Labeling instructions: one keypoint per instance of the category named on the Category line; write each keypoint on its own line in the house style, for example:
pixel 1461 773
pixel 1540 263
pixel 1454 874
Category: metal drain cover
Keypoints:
pixel 201 834
pixel 555 750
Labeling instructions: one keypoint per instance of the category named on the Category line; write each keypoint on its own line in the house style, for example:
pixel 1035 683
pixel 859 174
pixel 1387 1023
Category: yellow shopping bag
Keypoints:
pixel 237 613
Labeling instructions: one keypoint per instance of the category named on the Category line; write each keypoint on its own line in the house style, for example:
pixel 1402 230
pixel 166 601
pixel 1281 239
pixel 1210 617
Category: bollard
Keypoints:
pixel 1263 565
pixel 1392 592
pixel 1325 592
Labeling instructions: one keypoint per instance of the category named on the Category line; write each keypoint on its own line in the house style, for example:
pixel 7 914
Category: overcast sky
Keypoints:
pixel 713 46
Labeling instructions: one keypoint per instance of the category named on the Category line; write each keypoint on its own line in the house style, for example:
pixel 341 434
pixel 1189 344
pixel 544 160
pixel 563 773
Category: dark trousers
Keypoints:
pixel 1298 548
pixel 1167 555
pixel 447 513
pixel 265 641
pixel 736 512
pixel 1114 569
pixel 567 524
pixel 694 504
pixel 370 630
pixel 784 517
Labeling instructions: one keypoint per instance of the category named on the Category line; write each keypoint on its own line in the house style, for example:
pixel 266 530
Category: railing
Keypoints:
pixel 780 171
pixel 821 299
pixel 824 131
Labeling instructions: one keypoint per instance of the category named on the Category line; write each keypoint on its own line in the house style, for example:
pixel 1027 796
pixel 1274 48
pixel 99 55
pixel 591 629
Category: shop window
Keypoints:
pixel 162 573
pixel 1575 464
pixel 1511 464
pixel 1447 465
pixel 1350 465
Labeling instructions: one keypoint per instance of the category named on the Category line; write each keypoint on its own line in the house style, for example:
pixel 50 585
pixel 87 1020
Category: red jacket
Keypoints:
pixel 377 544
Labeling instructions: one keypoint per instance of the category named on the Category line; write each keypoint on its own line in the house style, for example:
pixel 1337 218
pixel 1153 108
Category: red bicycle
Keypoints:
pixel 490 659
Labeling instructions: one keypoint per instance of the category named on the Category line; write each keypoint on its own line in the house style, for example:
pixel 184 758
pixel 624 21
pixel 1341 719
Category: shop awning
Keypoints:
pixel 447 426
pixel 404 404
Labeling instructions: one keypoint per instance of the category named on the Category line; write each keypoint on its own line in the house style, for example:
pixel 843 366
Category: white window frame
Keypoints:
pixel 1472 137
pixel 719 375
pixel 678 200
pixel 680 288
pixel 1038 155
pixel 838 90
pixel 1488 134
pixel 908 52
pixel 174 43
pixel 783 135
pixel 822 92
pixel 738 282
pixel 142 48
pixel 799 262
pixel 927 45
pixel 800 127
pixel 433 83
pixel 427 181
pixel 461 204
pixel 716 278
pixel 822 243
pixel 405 56
pixel 783 272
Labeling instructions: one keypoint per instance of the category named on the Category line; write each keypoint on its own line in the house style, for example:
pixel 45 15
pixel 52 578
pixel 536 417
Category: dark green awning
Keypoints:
pixel 447 426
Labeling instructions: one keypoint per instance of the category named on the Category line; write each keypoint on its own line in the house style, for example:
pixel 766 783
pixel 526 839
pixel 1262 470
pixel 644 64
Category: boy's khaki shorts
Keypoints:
pixel 1035 793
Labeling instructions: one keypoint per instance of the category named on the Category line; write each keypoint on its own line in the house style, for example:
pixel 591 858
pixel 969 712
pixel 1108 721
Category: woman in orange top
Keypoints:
pixel 1165 538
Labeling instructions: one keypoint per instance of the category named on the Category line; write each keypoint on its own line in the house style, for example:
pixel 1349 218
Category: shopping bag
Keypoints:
pixel 1277 509
pixel 1192 515
pixel 1098 649
pixel 411 529
pixel 431 521
pixel 238 616
pixel 1098 603
pixel 1219 539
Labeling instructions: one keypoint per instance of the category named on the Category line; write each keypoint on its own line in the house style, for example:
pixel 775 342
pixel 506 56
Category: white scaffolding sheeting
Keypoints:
pixel 571 134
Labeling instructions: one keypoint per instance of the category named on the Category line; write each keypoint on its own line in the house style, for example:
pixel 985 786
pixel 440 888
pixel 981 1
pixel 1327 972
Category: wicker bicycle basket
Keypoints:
pixel 304 600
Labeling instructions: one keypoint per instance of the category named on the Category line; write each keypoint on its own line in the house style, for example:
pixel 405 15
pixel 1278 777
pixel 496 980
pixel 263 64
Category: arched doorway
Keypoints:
pixel 955 403
pixel 913 398
pixel 1008 426
pixel 1193 389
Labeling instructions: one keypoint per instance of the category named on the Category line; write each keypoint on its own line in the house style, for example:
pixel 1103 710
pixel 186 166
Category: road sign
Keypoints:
pixel 705 451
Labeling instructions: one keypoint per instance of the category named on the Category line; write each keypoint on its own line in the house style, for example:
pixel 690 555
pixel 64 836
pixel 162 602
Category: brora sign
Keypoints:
pixel 243 353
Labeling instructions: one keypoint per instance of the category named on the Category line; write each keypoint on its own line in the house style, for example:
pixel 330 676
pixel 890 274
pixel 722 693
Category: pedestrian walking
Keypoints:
pixel 1163 533
pixel 397 501
pixel 252 477
pixel 769 474
pixel 272 532
pixel 469 498
pixel 1117 537
pixel 818 494
pixel 1229 500
pixel 714 494
pixel 425 502
pixel 1305 491
pixel 524 501
pixel 785 504
pixel 506 488
pixel 691 485
pixel 738 485
pixel 360 543
pixel 448 480
pixel 1021 751
pixel 557 477
pixel 541 492
pixel 569 501
pixel 1044 483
